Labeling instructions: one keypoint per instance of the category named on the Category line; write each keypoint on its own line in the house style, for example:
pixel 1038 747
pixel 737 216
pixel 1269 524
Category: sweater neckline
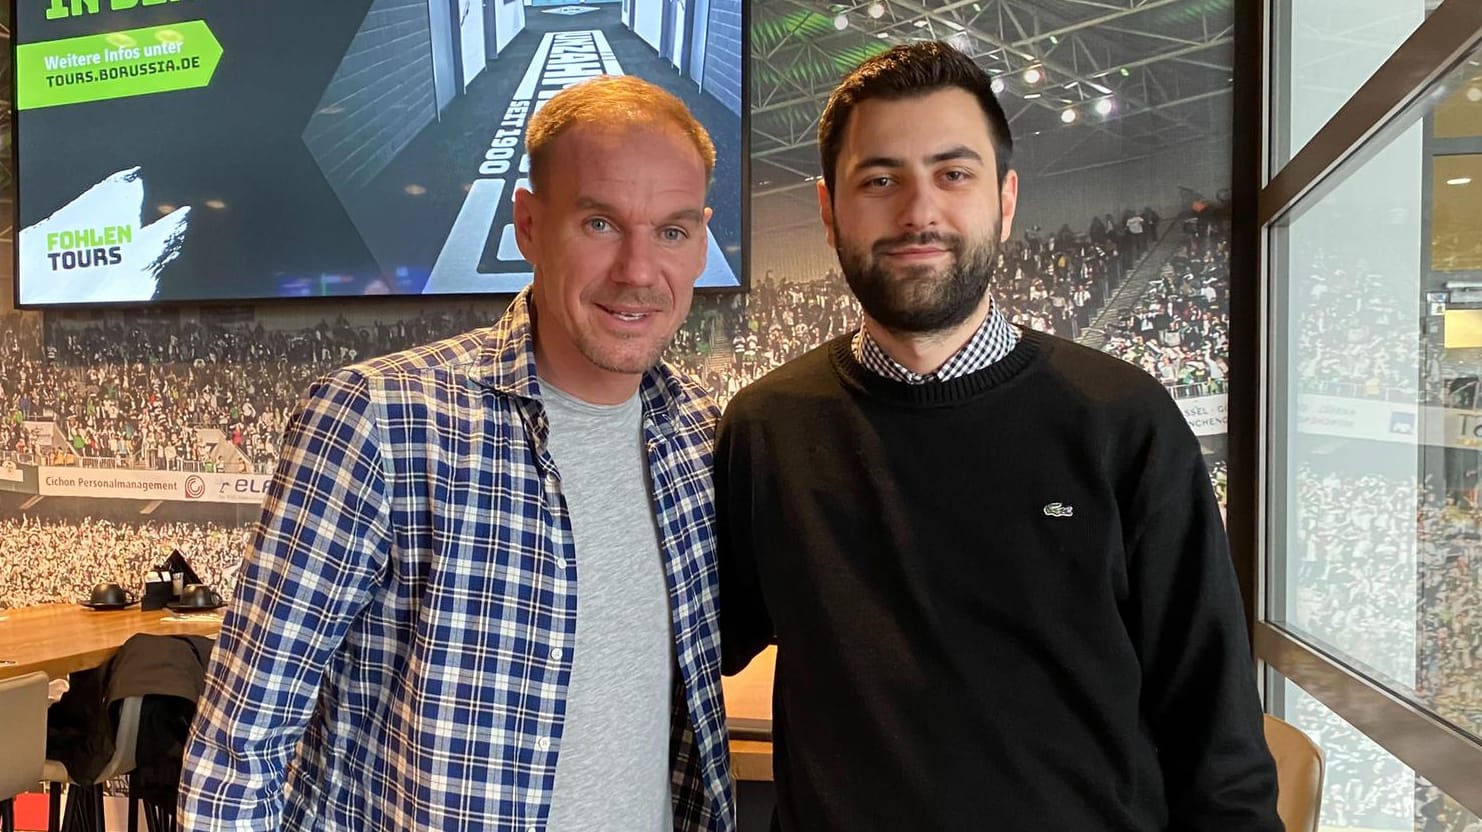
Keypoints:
pixel 1032 345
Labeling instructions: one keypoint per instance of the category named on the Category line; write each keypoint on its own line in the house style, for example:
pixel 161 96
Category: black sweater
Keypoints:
pixel 1001 602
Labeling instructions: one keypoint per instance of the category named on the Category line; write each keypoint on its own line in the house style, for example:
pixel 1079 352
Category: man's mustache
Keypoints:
pixel 950 242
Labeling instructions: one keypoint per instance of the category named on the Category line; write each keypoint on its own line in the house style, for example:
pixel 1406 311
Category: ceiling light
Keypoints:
pixel 1104 107
pixel 1068 116
pixel 841 22
pixel 1474 94
pixel 997 86
pixel 1460 180
pixel 1032 75
pixel 876 11
pixel 1030 95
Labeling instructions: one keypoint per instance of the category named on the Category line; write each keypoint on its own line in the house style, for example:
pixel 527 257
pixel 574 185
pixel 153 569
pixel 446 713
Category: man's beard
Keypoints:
pixel 922 299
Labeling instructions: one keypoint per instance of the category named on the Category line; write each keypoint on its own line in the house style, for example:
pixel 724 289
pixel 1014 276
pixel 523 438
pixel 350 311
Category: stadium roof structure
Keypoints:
pixel 1085 83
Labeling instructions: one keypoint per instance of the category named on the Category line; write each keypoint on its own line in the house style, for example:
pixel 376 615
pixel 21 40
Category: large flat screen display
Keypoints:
pixel 199 150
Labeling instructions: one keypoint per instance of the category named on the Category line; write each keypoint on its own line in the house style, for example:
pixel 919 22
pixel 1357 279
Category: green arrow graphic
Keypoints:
pixel 176 56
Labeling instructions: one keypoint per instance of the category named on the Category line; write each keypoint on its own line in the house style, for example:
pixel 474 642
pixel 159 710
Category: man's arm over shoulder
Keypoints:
pixel 1185 615
pixel 745 625
pixel 314 559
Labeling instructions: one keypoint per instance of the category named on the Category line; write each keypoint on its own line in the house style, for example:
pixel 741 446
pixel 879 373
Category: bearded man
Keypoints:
pixel 990 558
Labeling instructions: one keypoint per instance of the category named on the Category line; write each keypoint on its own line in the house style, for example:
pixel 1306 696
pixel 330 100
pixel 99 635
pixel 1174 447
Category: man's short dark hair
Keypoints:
pixel 910 71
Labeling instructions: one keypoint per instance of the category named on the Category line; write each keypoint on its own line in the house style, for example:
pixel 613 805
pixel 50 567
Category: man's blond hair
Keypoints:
pixel 610 101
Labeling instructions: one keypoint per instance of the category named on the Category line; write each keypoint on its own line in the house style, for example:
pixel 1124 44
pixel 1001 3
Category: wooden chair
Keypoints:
pixel 1299 775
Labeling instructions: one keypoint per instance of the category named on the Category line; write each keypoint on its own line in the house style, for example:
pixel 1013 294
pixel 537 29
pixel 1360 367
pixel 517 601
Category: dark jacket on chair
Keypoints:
pixel 169 672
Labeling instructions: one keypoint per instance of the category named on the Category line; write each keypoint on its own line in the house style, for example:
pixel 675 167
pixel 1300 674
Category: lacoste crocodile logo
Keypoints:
pixel 1059 510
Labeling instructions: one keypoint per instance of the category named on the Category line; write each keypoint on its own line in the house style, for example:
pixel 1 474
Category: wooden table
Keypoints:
pixel 62 638
pixel 749 704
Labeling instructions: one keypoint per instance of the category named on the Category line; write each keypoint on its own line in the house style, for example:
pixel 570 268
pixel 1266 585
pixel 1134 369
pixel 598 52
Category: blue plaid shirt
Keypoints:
pixel 409 605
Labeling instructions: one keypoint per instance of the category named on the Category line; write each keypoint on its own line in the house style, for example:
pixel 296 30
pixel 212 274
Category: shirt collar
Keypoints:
pixel 993 340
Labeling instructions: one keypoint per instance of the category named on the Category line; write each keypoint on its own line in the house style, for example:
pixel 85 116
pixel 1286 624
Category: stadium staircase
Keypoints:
pixel 1132 288
pixel 722 349
pixel 219 450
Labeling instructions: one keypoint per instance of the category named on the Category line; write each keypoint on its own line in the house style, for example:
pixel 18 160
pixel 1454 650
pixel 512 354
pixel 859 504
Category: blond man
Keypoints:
pixel 482 592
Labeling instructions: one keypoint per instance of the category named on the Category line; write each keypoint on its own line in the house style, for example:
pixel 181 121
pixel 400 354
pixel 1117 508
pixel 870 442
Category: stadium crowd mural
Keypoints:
pixel 178 392
pixel 174 392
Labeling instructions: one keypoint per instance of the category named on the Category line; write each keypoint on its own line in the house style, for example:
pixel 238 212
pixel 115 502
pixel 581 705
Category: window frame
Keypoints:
pixel 1437 751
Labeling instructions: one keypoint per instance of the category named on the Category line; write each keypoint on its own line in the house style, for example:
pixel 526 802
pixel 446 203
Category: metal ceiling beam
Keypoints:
pixel 782 189
pixel 1179 102
pixel 1122 159
pixel 1222 39
pixel 1094 5
pixel 774 151
pixel 1065 72
pixel 792 169
pixel 1190 48
pixel 1095 21
pixel 936 14
pixel 1151 35
pixel 791 102
pixel 1126 113
pixel 904 12
pixel 1205 64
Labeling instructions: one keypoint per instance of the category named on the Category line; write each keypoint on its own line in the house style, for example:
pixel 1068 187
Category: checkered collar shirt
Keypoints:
pixel 993 340
pixel 408 606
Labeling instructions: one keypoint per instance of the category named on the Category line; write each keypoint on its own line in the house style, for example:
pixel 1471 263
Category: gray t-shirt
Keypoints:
pixel 612 766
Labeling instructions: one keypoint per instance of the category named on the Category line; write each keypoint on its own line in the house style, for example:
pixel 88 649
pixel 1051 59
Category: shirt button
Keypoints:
pixel 544 743
pixel 557 653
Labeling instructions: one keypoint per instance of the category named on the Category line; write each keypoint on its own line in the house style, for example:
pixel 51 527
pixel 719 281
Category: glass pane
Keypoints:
pixel 1457 233
pixel 1377 352
pixel 1364 786
pixel 1460 115
pixel 1324 50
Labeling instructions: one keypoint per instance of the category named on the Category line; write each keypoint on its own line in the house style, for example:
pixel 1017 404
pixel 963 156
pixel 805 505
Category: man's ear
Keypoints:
pixel 1008 203
pixel 826 212
pixel 527 215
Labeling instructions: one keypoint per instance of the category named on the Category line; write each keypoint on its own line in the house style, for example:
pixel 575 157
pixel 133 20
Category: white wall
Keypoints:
pixel 509 21
pixel 472 34
pixel 697 41
pixel 444 41
pixel 681 35
pixel 648 21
